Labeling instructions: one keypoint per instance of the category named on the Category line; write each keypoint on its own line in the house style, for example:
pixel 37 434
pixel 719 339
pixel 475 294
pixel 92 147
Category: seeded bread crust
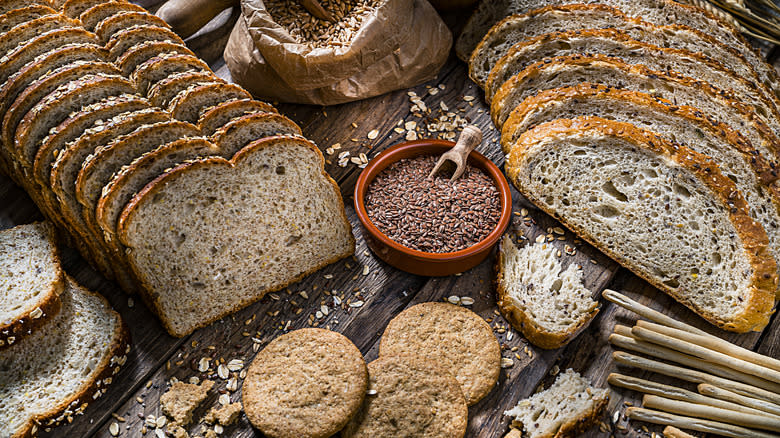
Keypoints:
pixel 160 67
pixel 190 104
pixel 241 131
pixel 163 92
pixel 26 31
pixel 151 298
pixel 9 5
pixel 123 20
pixel 761 292
pixel 126 38
pixel 140 53
pixel 48 306
pixel 74 8
pixel 16 17
pixel 97 13
pixel 219 115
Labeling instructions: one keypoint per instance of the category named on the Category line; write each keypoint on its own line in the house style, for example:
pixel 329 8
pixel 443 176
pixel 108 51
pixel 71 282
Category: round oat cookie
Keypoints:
pixel 307 383
pixel 409 396
pixel 452 336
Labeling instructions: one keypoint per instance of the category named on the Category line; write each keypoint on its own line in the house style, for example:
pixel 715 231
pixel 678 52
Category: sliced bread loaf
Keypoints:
pixel 53 374
pixel 140 53
pixel 165 90
pixel 32 280
pixel 106 28
pixel 22 15
pixel 191 103
pixel 26 31
pixel 567 408
pixel 243 130
pixel 219 115
pixel 660 209
pixel 162 66
pixel 99 12
pixel 197 268
pixel 547 304
pixel 134 35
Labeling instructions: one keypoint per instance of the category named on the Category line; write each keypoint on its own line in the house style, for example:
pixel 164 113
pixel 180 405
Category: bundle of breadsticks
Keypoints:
pixel 738 389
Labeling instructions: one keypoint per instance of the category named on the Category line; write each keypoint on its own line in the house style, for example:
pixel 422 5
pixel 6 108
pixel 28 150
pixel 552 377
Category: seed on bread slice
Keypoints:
pixel 164 91
pixel 134 35
pixel 22 15
pixel 569 407
pixel 219 115
pixel 140 53
pixel 191 103
pixel 244 130
pixel 112 24
pixel 32 280
pixel 162 66
pixel 10 5
pixel 53 374
pixel 660 209
pixel 286 234
pixel 92 16
pixel 549 305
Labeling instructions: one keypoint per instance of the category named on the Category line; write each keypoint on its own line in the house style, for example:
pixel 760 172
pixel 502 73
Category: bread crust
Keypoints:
pixel 106 28
pixel 146 74
pixel 123 40
pixel 761 292
pixel 134 56
pixel 165 90
pixel 218 92
pixel 94 15
pixel 222 135
pixel 211 120
pixel 575 427
pixel 149 296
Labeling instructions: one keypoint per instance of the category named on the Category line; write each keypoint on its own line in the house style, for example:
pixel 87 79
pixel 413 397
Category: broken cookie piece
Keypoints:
pixel 181 400
pixel 225 415
pixel 178 432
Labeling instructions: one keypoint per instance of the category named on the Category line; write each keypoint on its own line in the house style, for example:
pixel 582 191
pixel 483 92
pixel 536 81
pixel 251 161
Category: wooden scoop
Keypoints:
pixel 470 138
pixel 315 8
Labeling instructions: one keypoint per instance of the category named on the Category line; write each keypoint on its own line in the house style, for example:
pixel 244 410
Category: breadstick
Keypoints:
pixel 708 426
pixel 723 394
pixel 674 393
pixel 693 376
pixel 646 312
pixel 673 432
pixel 706 354
pixel 764 422
pixel 624 339
pixel 715 344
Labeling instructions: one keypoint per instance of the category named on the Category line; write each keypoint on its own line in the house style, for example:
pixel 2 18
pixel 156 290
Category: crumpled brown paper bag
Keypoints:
pixel 396 48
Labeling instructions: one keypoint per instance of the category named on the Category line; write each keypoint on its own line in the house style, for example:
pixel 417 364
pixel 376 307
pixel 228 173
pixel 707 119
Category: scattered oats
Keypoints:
pixel 114 428
pixel 354 125
pixel 194 380
pixel 224 399
pixel 363 158
pixel 466 301
pixel 235 365
pixel 328 276
pixel 358 303
pixel 540 238
pixel 507 362
pixel 410 125
pixel 555 370
pixel 371 392
pixel 411 135
pixel 558 230
pixel 139 400
pixel 159 433
pixel 324 309
pixel 373 134
pixel 523 212
pixel 161 421
pixel 399 130
pixel 366 270
pixel 336 146
pixel 453 299
pixel 232 384
pixel 318 314
pixel 616 417
pixel 468 98
pixel 203 364
pixel 218 429
pixel 36 313
pixel 509 336
pixel 118 417
pixel 222 371
pixel 443 106
pixel 150 421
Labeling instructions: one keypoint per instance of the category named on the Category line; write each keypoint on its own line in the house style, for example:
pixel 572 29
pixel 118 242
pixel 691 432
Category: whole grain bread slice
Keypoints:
pixel 285 234
pixel 190 104
pixel 51 375
pixel 32 280
pixel 164 91
pixel 106 28
pixel 134 35
pixel 74 8
pixel 27 31
pixel 92 16
pixel 22 15
pixel 162 66
pixel 239 132
pixel 660 209
pixel 219 115
pixel 10 5
pixel 140 53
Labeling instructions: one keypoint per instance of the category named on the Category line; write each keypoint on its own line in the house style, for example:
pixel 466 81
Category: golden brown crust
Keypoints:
pixel 106 28
pixel 245 106
pixel 761 292
pixel 120 41
pixel 575 427
pixel 129 60
pixel 149 296
pixel 143 74
pixel 89 17
pixel 673 432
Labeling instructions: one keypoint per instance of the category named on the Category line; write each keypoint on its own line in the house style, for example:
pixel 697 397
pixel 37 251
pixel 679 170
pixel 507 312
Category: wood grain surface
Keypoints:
pixel 383 291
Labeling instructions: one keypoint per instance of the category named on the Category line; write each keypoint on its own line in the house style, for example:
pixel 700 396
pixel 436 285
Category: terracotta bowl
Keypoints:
pixel 419 262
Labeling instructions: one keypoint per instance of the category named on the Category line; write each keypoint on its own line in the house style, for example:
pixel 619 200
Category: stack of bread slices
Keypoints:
pixel 169 180
pixel 651 129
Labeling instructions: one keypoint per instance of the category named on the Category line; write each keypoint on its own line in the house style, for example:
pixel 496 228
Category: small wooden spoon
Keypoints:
pixel 315 8
pixel 470 138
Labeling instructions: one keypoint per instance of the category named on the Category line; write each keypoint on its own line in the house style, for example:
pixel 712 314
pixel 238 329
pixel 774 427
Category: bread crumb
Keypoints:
pixel 182 399
pixel 226 415
pixel 178 432
pixel 210 434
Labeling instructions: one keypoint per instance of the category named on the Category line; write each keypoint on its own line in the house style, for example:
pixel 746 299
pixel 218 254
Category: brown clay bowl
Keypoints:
pixel 419 262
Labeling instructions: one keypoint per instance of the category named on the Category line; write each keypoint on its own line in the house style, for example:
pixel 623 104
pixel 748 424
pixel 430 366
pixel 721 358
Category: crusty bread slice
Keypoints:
pixel 242 131
pixel 219 115
pixel 32 280
pixel 74 8
pixel 99 12
pixel 293 223
pixel 190 104
pixel 660 209
pixel 568 408
pixel 106 28
pixel 134 35
pixel 53 374
pixel 140 53
pixel 27 31
pixel 617 43
pixel 10 5
pixel 22 15
pixel 549 305
pixel 162 66
pixel 165 90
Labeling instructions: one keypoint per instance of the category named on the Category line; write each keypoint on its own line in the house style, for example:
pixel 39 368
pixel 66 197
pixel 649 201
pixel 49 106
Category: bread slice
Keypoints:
pixel 106 28
pixel 74 8
pixel 242 131
pixel 134 35
pixel 547 304
pixel 140 53
pixel 92 16
pixel 219 115
pixel 567 71
pixel 191 103
pixel 133 177
pixel 26 31
pixel 22 15
pixel 53 374
pixel 10 5
pixel 660 209
pixel 568 408
pixel 618 44
pixel 32 280
pixel 165 90
pixel 196 268
pixel 162 66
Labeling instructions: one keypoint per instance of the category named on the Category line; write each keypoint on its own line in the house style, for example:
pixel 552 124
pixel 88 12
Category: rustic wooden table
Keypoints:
pixel 156 357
